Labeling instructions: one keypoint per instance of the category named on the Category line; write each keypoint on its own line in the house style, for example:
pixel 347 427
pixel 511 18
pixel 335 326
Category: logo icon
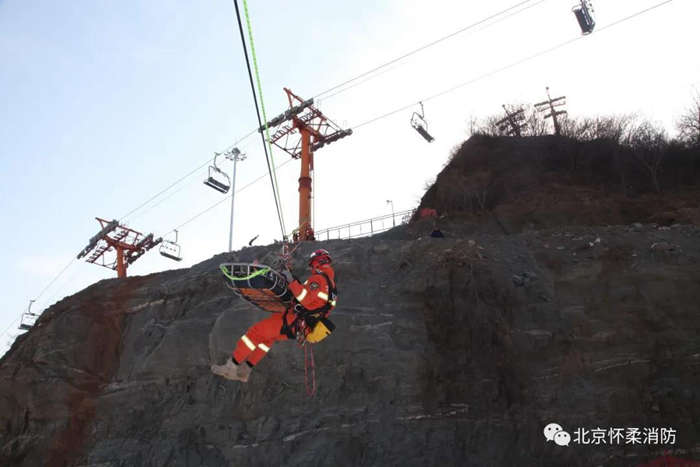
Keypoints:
pixel 562 438
pixel 555 432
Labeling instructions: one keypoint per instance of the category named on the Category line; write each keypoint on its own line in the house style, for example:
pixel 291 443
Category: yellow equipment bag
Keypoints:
pixel 322 329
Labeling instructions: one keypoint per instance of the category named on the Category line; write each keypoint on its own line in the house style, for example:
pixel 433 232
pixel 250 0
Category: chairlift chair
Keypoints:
pixel 420 125
pixel 217 179
pixel 170 249
pixel 28 318
pixel 584 16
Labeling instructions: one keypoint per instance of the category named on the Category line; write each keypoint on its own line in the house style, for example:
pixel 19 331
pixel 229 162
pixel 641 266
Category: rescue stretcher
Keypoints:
pixel 258 284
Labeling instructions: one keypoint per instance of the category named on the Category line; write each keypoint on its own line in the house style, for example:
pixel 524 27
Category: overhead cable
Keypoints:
pixel 257 112
pixel 506 67
pixel 181 179
pixel 209 208
pixel 426 46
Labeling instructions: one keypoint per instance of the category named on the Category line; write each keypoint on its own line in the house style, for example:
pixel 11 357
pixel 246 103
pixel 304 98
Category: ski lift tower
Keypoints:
pixel 129 245
pixel 303 131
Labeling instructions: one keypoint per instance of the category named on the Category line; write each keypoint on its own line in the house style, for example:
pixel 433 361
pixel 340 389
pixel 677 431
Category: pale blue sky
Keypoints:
pixel 106 103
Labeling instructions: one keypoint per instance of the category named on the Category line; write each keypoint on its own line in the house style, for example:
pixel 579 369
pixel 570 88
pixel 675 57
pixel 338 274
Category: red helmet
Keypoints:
pixel 319 257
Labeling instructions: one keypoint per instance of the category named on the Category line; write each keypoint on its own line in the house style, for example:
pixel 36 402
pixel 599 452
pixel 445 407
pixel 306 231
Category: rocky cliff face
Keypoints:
pixel 454 351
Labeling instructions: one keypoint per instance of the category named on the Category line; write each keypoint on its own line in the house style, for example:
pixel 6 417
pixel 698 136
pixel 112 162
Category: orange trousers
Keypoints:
pixel 256 342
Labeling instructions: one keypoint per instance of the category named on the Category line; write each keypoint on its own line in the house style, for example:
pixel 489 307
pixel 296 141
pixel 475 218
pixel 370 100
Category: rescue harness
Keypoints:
pixel 311 325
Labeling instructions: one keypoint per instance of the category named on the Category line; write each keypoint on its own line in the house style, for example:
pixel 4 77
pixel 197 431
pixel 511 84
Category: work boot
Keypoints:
pixel 243 372
pixel 230 370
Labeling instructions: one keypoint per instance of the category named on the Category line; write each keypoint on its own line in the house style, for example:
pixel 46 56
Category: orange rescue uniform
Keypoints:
pixel 313 294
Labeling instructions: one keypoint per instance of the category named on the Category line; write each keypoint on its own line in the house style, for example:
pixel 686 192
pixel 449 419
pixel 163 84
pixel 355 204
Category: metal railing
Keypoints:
pixel 365 228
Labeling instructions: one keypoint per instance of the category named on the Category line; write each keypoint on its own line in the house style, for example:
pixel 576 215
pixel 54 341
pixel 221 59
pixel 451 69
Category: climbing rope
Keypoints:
pixel 266 143
pixel 262 105
pixel 301 330
pixel 259 272
pixel 309 367
pixel 286 255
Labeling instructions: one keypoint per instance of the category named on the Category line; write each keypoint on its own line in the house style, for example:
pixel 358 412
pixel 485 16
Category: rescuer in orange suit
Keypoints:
pixel 316 297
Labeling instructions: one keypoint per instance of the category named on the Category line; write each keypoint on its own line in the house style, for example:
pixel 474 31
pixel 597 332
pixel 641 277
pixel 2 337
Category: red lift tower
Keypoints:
pixel 304 130
pixel 128 244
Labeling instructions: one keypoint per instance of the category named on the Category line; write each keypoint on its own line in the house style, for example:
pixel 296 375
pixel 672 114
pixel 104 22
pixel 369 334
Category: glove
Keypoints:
pixel 288 275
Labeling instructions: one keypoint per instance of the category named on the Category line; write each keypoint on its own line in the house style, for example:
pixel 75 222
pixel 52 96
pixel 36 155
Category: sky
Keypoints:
pixel 105 104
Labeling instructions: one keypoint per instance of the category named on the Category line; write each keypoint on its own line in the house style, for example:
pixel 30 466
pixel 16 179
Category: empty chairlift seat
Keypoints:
pixel 171 249
pixel 28 318
pixel 217 179
pixel 584 16
pixel 420 125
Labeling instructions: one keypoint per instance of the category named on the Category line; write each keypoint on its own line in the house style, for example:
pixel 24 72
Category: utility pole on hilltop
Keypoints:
pixel 513 123
pixel 551 105
pixel 304 130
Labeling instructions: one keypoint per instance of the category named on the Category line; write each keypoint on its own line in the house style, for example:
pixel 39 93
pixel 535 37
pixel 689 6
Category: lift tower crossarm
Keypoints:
pixel 128 244
pixel 96 238
pixel 303 130
pixel 281 118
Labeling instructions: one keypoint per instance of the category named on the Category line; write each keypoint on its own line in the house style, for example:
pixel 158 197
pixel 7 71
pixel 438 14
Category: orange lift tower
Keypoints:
pixel 304 130
pixel 128 244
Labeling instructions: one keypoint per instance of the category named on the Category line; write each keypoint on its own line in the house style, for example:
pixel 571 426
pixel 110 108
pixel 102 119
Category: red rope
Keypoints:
pixel 309 364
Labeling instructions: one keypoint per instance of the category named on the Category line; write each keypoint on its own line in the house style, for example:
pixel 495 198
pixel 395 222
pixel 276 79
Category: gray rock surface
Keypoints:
pixel 439 358
pixel 448 351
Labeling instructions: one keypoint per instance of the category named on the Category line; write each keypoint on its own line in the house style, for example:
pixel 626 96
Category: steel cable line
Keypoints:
pixel 9 327
pixel 375 119
pixel 60 273
pixel 362 75
pixel 179 190
pixel 383 67
pixel 55 278
pixel 184 177
pixel 423 47
pixel 193 218
pixel 65 268
pixel 506 67
pixel 257 112
pixel 225 199
pixel 140 206
pixel 464 29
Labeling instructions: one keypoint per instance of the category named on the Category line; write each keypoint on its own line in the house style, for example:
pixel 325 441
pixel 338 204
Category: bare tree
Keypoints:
pixel 474 126
pixel 489 127
pixel 615 128
pixel 689 123
pixel 536 125
pixel 579 128
pixel 649 145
